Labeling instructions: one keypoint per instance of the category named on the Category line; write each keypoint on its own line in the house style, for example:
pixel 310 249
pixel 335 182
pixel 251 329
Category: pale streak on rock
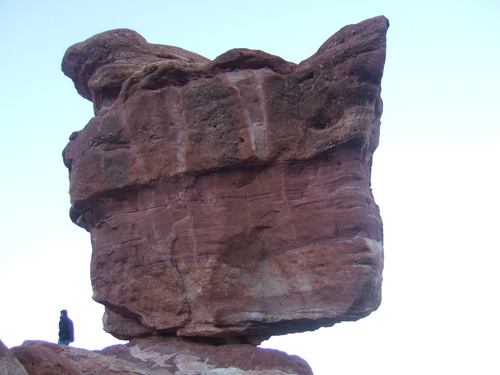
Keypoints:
pixel 178 118
pixel 260 127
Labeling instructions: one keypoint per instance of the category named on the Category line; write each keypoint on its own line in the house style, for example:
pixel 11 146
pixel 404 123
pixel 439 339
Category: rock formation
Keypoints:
pixel 229 198
pixel 156 356
pixel 9 364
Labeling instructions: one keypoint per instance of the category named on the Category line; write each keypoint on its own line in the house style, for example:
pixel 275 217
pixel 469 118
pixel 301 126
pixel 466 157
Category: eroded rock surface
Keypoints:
pixel 9 364
pixel 229 198
pixel 157 356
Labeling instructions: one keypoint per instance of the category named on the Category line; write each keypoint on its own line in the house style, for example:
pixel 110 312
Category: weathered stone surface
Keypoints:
pixel 101 64
pixel 40 358
pixel 184 355
pixel 160 356
pixel 229 198
pixel 9 364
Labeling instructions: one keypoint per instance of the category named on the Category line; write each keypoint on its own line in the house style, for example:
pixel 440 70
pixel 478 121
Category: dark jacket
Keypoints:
pixel 66 329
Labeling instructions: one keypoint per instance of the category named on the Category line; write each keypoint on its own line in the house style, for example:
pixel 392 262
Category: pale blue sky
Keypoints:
pixel 435 174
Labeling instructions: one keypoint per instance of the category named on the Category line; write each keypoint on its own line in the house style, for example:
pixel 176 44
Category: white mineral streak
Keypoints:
pixel 179 120
pixel 260 127
pixel 254 109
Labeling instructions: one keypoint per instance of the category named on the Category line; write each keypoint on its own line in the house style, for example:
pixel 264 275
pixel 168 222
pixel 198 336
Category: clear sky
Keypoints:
pixel 435 174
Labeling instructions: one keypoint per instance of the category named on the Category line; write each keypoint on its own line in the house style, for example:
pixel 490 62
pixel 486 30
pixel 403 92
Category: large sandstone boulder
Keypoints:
pixel 229 198
pixel 158 356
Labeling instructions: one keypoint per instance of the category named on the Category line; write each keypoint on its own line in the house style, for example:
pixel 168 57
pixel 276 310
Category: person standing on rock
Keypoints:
pixel 66 332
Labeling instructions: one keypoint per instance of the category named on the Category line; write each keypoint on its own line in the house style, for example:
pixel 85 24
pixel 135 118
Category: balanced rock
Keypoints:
pixel 229 198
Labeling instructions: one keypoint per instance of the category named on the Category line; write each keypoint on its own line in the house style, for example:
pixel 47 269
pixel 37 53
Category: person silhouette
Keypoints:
pixel 66 330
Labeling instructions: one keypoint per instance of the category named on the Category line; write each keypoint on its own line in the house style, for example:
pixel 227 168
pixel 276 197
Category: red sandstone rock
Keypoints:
pixel 9 364
pixel 229 198
pixel 101 64
pixel 40 358
pixel 181 354
pixel 158 356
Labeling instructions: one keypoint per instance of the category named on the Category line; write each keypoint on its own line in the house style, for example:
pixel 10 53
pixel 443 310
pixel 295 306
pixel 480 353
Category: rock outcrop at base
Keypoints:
pixel 9 364
pixel 157 356
pixel 229 198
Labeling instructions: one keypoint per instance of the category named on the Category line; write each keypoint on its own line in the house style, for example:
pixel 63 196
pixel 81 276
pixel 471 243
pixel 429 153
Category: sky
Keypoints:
pixel 435 174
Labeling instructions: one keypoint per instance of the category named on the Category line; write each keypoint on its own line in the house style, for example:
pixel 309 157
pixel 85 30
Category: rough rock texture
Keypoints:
pixel 9 364
pixel 40 358
pixel 158 356
pixel 229 198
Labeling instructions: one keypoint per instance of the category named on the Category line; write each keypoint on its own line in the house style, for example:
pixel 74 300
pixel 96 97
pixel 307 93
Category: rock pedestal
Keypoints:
pixel 229 198
pixel 155 356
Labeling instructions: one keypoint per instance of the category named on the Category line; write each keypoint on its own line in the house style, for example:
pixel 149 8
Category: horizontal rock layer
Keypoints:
pixel 229 198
